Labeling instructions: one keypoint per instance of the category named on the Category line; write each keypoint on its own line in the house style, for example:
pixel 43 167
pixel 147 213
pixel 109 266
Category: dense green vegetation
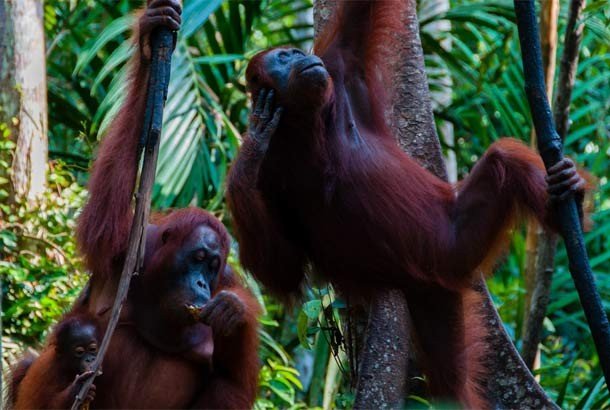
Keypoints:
pixel 304 366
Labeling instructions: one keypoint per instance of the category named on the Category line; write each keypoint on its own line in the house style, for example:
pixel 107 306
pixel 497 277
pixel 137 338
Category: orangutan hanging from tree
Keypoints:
pixel 320 182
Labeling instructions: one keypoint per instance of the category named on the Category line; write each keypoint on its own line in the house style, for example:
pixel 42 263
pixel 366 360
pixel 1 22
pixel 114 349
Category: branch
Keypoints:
pixel 537 243
pixel 567 67
pixel 550 147
pixel 548 241
pixel 540 296
pixel 162 47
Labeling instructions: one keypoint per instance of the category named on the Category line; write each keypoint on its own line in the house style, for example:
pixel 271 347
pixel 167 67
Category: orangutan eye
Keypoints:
pixel 92 348
pixel 79 351
pixel 199 255
pixel 215 264
pixel 283 56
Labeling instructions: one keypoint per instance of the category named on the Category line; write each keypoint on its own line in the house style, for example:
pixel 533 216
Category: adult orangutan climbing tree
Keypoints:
pixel 320 166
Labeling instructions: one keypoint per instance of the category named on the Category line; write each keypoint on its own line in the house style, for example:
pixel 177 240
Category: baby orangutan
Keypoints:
pixel 53 380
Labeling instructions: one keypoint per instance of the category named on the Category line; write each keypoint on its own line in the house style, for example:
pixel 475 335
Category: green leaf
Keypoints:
pixel 312 309
pixel 110 33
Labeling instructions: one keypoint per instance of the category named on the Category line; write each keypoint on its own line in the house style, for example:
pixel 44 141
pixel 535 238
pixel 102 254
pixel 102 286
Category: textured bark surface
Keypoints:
pixel 412 118
pixel 442 96
pixel 9 97
pixel 23 81
pixel 382 377
pixel 322 12
pixel 510 385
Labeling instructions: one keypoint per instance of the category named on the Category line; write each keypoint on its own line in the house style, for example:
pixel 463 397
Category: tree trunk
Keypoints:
pixel 23 94
pixel 509 384
pixel 442 97
pixel 382 376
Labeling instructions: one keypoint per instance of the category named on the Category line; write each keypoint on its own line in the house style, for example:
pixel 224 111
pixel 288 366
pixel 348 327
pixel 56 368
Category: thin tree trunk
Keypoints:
pixel 23 91
pixel 567 67
pixel 535 279
pixel 540 296
pixel 547 241
pixel 9 96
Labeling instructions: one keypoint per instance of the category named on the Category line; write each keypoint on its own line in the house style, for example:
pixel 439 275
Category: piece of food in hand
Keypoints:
pixel 195 311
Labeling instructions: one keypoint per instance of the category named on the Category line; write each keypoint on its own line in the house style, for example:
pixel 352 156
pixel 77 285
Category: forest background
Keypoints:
pixel 474 70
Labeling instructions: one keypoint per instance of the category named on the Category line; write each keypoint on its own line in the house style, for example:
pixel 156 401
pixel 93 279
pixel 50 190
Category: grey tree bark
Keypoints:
pixel 441 97
pixel 23 93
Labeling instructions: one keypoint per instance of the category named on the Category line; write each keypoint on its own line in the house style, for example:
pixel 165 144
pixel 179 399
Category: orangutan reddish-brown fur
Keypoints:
pixel 163 355
pixel 17 374
pixel 322 183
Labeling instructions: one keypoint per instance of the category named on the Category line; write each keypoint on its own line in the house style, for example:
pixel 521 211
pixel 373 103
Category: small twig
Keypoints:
pixel 567 67
pixel 47 242
pixel 162 47
pixel 550 147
